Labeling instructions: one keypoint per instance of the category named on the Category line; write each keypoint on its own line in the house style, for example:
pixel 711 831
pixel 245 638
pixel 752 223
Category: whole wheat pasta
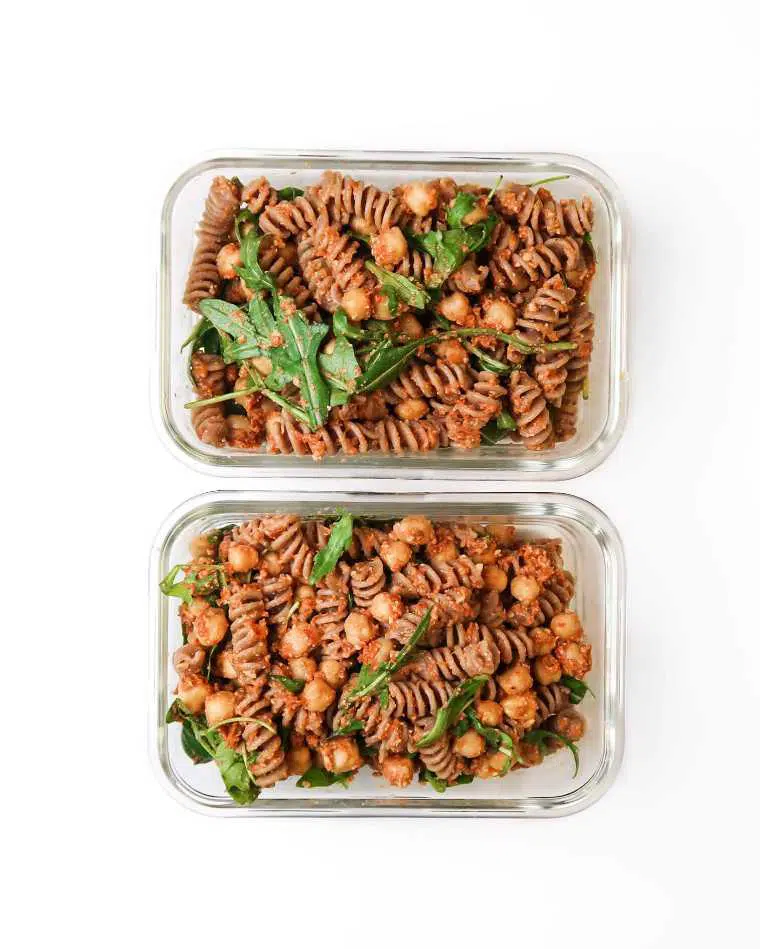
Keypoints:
pixel 313 647
pixel 378 268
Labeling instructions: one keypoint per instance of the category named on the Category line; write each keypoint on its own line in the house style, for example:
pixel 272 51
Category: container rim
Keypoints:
pixel 580 510
pixel 568 467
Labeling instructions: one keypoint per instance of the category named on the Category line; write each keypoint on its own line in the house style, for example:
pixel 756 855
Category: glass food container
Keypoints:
pixel 592 552
pixel 602 415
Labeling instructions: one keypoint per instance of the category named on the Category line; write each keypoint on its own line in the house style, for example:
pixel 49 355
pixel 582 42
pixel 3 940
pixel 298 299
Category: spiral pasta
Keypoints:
pixel 221 206
pixel 424 260
pixel 289 664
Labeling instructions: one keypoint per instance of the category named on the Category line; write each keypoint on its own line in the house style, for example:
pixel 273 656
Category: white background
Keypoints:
pixel 105 105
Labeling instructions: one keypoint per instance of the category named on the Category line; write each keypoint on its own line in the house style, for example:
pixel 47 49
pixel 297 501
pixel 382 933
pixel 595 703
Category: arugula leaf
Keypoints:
pixel 496 738
pixel 246 216
pixel 205 336
pixel 447 715
pixel 438 784
pixel 385 363
pixel 488 362
pixel 229 319
pixel 545 181
pixel 320 778
pixel 539 736
pixel 493 432
pixel 463 204
pixel 355 725
pixel 169 587
pixel 587 240
pixel 577 688
pixel 371 681
pixel 194 750
pixel 288 194
pixel 362 238
pixel 252 273
pixel 340 367
pixel 341 536
pixel 396 287
pixel 204 744
pixel 302 341
pixel 492 192
pixel 292 685
pixel 449 247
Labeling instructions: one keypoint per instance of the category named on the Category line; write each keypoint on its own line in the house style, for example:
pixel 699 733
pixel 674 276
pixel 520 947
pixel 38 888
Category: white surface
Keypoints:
pixel 104 107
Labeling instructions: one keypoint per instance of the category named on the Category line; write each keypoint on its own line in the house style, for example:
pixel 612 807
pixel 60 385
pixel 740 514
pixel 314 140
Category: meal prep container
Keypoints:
pixel 592 552
pixel 601 417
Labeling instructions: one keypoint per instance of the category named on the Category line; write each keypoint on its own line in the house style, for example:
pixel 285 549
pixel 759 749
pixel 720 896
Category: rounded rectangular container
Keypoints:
pixel 592 552
pixel 602 415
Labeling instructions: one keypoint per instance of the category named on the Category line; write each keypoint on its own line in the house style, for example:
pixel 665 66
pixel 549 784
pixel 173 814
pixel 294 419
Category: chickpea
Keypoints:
pixel 503 533
pixel 544 640
pixel 386 607
pixel 297 641
pixel 494 578
pixel 421 197
pixel 398 771
pixel 499 315
pixel 410 327
pixel 192 692
pixel 340 755
pixel 242 557
pixel 224 666
pixel 569 725
pixel 377 652
pixel 219 707
pixel 211 626
pixel 263 364
pixel 521 709
pixel 298 760
pixel 382 308
pixel 389 247
pixel 470 744
pixel 333 672
pixel 524 588
pixel 303 667
pixel 489 713
pixel 395 554
pixel 567 626
pixel 359 629
pixel 574 658
pixel 317 695
pixel 547 669
pixel 482 769
pixel 497 761
pixel 531 753
pixel 414 530
pixel 201 547
pixel 452 351
pixel 515 679
pixel 456 307
pixel 198 606
pixel 227 259
pixel 271 564
pixel 357 304
pixel 360 225
pixel 443 550
pixel 412 409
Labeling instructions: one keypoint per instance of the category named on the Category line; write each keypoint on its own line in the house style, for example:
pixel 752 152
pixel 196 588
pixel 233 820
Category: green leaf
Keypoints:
pixel 340 538
pixel 169 587
pixel 539 736
pixel 254 276
pixel 451 246
pixel 371 681
pixel 463 204
pixel 288 194
pixel 587 240
pixel 490 364
pixel 545 181
pixel 292 685
pixel 577 688
pixel 192 747
pixel 230 319
pixel 403 288
pixel 362 238
pixel 385 363
pixel 436 783
pixel 320 778
pixel 505 422
pixel 302 341
pixel 355 725
pixel 496 738
pixel 463 697
pixel 340 367
pixel 246 216
pixel 495 188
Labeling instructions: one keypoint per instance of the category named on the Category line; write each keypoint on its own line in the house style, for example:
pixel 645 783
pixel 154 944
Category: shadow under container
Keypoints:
pixel 592 552
pixel 602 415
